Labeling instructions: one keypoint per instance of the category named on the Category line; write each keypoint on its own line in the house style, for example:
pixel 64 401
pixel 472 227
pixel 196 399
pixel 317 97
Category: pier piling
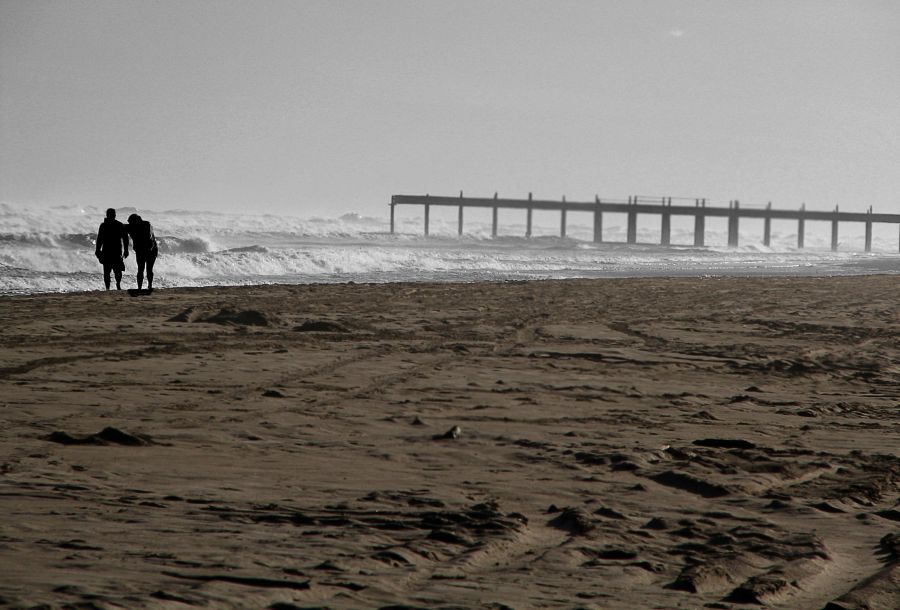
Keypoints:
pixel 666 228
pixel 494 218
pixel 598 220
pixel 699 224
pixel 869 230
pixel 834 232
pixel 632 220
pixel 528 217
pixel 733 220
pixel 562 219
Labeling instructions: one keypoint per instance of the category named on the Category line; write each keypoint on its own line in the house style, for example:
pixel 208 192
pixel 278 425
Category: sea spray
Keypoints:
pixel 51 249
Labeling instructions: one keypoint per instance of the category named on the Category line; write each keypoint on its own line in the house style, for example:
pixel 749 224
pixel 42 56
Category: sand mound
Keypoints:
pixel 226 315
pixel 321 326
pixel 189 314
pixel 107 436
pixel 573 520
pixel 246 317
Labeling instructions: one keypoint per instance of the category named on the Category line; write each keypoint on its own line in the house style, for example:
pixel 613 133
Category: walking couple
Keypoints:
pixel 112 248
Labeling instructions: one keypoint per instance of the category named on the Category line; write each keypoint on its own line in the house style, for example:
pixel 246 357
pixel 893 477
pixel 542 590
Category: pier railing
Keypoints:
pixel 661 206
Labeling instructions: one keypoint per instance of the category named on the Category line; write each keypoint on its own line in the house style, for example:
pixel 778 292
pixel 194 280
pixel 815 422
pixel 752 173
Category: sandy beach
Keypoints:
pixel 616 444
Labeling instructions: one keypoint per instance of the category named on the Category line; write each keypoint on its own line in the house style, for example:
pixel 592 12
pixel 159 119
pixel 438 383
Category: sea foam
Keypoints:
pixel 51 250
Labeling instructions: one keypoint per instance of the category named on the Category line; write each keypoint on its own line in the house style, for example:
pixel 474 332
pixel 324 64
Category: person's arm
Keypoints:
pixel 125 241
pixel 153 244
pixel 99 241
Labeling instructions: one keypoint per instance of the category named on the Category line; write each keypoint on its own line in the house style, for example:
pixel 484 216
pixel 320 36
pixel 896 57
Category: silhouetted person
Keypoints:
pixel 143 242
pixel 112 247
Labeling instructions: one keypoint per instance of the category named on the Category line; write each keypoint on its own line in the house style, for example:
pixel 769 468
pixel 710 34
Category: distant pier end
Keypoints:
pixel 662 207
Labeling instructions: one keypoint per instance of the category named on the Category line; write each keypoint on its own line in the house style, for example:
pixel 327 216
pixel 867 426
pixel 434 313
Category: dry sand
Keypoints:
pixel 647 443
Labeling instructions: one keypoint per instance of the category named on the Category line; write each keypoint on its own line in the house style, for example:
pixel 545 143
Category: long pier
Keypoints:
pixel 660 206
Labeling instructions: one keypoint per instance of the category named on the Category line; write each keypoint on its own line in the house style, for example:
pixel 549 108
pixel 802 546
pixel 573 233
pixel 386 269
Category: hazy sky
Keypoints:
pixel 311 107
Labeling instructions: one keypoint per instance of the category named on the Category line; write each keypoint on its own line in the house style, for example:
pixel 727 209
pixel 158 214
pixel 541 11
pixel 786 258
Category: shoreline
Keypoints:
pixel 766 272
pixel 623 442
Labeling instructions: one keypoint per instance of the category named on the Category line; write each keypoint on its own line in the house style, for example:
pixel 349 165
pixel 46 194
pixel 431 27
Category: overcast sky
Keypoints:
pixel 311 107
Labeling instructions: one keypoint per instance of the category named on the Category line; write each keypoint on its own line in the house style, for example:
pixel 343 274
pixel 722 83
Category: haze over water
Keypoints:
pixel 310 115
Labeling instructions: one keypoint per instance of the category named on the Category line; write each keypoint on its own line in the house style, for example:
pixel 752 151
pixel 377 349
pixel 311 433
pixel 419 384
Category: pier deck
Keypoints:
pixel 661 206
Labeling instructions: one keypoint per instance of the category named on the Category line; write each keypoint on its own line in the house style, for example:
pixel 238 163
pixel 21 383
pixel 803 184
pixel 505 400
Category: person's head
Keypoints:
pixel 134 219
pixel 111 213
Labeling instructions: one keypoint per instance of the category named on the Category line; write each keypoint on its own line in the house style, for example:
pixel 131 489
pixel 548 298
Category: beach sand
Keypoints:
pixel 623 444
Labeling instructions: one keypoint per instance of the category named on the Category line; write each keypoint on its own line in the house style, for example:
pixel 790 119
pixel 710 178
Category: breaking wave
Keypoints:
pixel 51 250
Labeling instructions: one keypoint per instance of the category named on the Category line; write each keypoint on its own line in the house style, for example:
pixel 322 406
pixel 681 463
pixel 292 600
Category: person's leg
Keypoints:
pixel 151 258
pixel 107 269
pixel 118 272
pixel 140 273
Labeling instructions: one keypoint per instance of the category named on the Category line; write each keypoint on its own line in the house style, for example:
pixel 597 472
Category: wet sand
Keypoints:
pixel 635 443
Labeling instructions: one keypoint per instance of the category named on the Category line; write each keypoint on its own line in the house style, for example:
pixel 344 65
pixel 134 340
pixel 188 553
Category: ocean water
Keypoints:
pixel 51 249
